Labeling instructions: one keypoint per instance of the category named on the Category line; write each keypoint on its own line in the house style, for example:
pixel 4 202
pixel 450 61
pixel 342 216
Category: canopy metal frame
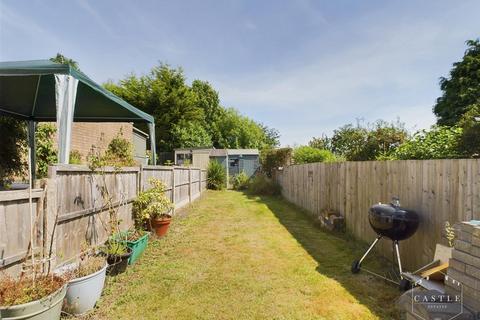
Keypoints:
pixel 29 88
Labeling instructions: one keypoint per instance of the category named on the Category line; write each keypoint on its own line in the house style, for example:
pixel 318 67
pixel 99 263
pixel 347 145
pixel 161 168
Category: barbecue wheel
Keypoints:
pixel 355 266
pixel 405 285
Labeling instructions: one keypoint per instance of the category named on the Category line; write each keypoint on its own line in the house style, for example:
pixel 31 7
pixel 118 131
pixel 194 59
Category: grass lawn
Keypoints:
pixel 233 256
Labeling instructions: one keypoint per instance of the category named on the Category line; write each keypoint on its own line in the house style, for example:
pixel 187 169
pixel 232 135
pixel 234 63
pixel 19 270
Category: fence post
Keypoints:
pixel 51 216
pixel 173 185
pixel 140 179
pixel 199 181
pixel 189 185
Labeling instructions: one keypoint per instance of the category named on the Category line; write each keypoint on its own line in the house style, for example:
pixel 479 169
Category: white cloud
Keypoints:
pixel 383 75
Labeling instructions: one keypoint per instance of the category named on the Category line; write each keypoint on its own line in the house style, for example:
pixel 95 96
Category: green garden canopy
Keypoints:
pixel 42 90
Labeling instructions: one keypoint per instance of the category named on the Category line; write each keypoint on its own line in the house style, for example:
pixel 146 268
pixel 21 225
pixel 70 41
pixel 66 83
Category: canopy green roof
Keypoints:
pixel 27 91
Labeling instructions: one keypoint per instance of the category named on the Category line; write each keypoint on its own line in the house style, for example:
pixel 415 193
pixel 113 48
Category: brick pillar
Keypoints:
pixel 465 264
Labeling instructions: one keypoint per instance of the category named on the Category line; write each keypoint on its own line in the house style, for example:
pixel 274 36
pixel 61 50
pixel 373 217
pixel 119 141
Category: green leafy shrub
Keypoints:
pixel 115 247
pixel 306 154
pixel 216 175
pixel 46 151
pixel 119 152
pixel 263 185
pixel 75 157
pixel 271 159
pixel 437 143
pixel 365 142
pixel 240 181
pixel 152 203
pixel 13 137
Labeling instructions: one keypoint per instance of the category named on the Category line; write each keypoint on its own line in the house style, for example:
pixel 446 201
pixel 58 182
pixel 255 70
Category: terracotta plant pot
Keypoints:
pixel 160 225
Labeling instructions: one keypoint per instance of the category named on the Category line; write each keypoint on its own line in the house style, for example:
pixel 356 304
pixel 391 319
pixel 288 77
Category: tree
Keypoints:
pixel 190 115
pixel 440 142
pixel 272 136
pixel 383 139
pixel 360 143
pixel 470 138
pixel 323 142
pixel 240 132
pixel 13 142
pixel 461 91
pixel 164 94
pixel 272 159
pixel 349 141
pixel 191 135
pixel 208 100
pixel 60 58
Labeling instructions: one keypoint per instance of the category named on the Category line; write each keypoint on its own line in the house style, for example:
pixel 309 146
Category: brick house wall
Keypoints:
pixel 99 134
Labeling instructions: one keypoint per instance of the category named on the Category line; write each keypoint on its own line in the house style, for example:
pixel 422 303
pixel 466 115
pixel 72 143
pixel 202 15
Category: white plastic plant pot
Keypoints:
pixel 48 308
pixel 83 293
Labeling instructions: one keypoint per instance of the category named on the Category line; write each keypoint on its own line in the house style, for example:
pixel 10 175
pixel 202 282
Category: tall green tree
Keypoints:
pixel 164 94
pixel 272 136
pixel 238 131
pixel 470 138
pixel 190 116
pixel 208 100
pixel 461 90
pixel 191 135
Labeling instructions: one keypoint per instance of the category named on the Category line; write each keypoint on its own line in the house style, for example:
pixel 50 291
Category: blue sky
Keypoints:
pixel 303 67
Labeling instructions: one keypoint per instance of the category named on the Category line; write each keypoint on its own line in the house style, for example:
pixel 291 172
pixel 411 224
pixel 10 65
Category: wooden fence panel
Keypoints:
pixel 73 198
pixel 82 210
pixel 15 226
pixel 439 190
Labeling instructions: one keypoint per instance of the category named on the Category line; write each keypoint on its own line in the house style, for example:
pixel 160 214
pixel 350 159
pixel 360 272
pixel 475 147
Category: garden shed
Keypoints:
pixel 238 160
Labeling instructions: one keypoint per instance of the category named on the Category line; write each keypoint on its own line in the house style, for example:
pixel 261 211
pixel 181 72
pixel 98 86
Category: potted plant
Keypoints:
pixel 137 240
pixel 153 209
pixel 35 297
pixel 37 294
pixel 85 284
pixel 117 253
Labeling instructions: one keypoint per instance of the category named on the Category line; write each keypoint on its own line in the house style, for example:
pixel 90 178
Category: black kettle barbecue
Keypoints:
pixel 393 222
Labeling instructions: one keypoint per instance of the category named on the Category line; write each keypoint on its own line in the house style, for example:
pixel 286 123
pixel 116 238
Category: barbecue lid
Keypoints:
pixel 393 221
